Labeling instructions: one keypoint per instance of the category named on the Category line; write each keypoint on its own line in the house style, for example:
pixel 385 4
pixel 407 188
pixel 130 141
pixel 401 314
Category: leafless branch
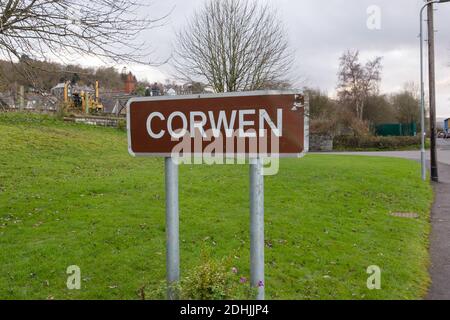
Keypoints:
pixel 45 29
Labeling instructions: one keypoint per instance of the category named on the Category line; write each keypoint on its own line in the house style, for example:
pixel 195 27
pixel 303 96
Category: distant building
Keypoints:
pixel 41 102
pixel 195 88
pixel 171 92
pixel 58 90
pixel 129 80
pixel 130 83
pixel 156 90
pixel 115 103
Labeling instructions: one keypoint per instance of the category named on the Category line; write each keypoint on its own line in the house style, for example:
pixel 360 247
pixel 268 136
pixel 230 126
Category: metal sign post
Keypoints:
pixel 257 227
pixel 172 229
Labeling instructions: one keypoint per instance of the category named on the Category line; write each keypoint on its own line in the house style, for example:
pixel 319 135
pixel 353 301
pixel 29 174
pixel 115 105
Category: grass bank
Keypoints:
pixel 71 195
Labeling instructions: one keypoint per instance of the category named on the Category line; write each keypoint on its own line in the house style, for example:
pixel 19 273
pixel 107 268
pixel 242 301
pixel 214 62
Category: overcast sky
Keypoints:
pixel 321 30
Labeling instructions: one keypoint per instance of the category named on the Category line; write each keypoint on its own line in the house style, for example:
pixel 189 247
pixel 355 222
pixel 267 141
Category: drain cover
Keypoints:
pixel 405 215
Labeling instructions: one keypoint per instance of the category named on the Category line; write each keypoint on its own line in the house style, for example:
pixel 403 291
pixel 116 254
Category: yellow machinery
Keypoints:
pixel 83 101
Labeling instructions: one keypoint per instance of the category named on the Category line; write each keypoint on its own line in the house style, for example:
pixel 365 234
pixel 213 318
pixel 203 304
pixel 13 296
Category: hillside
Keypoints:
pixel 45 75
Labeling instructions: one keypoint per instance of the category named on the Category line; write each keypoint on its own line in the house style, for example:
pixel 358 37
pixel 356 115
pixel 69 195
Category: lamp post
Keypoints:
pixel 422 89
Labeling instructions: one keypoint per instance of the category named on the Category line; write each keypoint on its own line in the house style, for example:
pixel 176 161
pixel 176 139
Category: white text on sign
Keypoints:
pixel 237 121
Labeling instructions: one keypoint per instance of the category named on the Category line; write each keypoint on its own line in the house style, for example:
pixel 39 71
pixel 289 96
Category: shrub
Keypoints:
pixel 322 126
pixel 122 125
pixel 367 142
pixel 212 280
pixel 348 122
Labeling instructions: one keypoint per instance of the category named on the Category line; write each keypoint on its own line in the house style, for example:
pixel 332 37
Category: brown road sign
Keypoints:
pixel 265 123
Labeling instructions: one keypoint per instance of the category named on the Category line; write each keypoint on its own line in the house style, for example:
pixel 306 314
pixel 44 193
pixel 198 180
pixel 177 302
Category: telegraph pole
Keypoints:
pixel 432 93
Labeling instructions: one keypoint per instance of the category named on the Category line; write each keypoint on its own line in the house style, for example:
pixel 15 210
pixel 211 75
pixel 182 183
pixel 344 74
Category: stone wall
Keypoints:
pixel 96 121
pixel 323 143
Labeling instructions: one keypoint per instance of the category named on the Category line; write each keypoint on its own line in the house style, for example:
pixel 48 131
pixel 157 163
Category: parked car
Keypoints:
pixel 446 129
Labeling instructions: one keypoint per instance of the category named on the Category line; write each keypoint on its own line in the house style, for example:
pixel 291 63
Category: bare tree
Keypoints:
pixel 413 88
pixel 234 45
pixel 406 106
pixel 357 81
pixel 46 29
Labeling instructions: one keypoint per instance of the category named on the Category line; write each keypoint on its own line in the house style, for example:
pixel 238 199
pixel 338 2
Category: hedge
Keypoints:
pixel 348 142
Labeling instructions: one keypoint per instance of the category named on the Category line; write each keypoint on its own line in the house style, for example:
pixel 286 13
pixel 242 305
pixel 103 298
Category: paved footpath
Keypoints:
pixel 440 238
pixel 440 219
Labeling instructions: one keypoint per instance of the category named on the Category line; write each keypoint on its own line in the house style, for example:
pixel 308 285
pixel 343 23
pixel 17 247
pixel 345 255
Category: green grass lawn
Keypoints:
pixel 71 195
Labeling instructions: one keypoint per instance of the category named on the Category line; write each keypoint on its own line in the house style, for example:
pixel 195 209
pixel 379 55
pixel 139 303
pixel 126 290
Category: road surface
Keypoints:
pixel 443 153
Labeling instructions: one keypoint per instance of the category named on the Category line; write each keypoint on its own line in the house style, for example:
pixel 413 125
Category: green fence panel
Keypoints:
pixel 396 129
